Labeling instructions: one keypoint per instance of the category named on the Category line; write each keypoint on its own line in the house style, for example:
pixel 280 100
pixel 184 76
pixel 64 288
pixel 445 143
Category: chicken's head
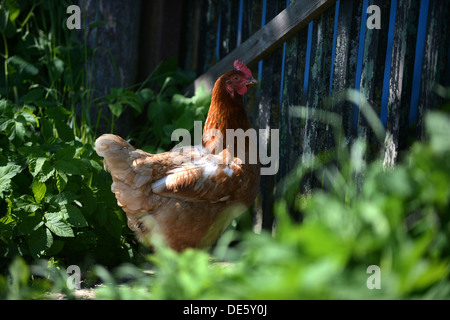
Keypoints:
pixel 240 79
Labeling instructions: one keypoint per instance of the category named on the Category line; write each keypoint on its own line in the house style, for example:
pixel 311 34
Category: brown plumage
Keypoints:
pixel 187 195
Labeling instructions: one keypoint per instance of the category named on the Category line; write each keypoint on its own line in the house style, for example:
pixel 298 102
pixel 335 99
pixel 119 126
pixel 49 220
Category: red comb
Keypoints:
pixel 240 66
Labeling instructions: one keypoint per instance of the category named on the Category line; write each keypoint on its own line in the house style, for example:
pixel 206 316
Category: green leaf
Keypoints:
pixel 46 129
pixel 61 180
pixel 19 130
pixel 135 105
pixel 65 133
pixel 115 224
pixel 116 108
pixel 39 241
pixel 57 65
pixel 61 199
pixel 27 112
pixel 25 203
pixel 146 94
pixel 7 222
pixel 23 65
pixel 13 9
pixel 65 153
pixel 39 189
pixel 75 217
pixel 56 248
pixel 96 166
pixel 29 223
pixel 437 126
pixel 35 165
pixel 72 166
pixel 33 96
pixel 58 113
pixel 19 272
pixel 56 223
pixel 6 124
pixel 46 172
pixel 31 151
pixel 6 174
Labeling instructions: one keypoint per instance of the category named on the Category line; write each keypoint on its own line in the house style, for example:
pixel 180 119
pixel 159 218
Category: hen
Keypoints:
pixel 188 195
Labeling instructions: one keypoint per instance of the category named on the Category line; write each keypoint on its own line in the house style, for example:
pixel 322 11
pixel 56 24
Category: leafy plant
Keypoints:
pixel 55 199
pixel 54 193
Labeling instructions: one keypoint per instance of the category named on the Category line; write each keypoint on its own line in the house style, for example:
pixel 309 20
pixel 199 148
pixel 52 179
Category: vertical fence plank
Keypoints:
pixel 427 100
pixel 253 11
pixel 418 59
pixel 391 111
pixel 290 97
pixel 344 60
pixel 409 36
pixel 292 128
pixel 208 35
pixel 317 135
pixel 350 40
pixel 189 45
pixel 373 66
pixel 251 24
pixel 444 49
pixel 268 115
pixel 360 57
pixel 229 13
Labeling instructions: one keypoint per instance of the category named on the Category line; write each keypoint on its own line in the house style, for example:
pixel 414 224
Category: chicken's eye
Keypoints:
pixel 236 78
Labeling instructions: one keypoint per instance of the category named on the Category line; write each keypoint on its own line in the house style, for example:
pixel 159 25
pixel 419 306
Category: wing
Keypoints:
pixel 208 178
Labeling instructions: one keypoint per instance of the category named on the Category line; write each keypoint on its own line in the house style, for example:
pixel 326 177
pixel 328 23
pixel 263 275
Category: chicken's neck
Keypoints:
pixel 225 112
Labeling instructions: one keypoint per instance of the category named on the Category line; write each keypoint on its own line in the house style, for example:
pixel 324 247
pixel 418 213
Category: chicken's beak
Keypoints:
pixel 252 81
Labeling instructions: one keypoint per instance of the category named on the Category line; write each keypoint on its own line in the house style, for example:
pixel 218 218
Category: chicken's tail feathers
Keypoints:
pixel 116 153
pixel 129 175
pixel 109 143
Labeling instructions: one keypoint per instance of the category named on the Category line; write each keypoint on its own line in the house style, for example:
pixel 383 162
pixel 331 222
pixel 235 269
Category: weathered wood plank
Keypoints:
pixel 374 65
pixel 345 59
pixel 189 42
pixel 427 99
pixel 347 47
pixel 292 128
pixel 396 84
pixel 267 39
pixel 406 133
pixel 115 67
pixel 268 116
pixel 229 11
pixel 316 136
pixel 251 24
pixel 208 35
pixel 290 98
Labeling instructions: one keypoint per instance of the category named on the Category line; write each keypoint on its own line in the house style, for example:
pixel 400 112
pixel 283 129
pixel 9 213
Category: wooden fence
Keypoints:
pixel 305 50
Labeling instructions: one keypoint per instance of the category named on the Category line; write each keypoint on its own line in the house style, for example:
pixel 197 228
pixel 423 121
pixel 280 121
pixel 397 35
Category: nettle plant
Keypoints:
pixel 54 198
